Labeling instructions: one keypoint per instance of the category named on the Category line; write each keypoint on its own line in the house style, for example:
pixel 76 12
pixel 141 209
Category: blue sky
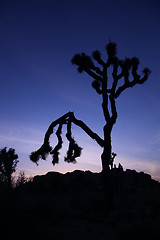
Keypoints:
pixel 39 84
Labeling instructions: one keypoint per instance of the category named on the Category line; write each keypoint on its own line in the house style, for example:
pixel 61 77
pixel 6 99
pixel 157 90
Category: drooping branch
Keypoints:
pixel 52 126
pixel 45 149
pixel 74 150
pixel 55 151
pixel 87 130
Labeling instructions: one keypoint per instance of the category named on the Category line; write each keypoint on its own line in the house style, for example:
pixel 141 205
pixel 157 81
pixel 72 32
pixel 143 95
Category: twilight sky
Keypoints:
pixel 38 39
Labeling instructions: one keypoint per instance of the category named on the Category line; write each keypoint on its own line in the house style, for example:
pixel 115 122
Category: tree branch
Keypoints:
pixel 105 95
pixel 87 130
pixel 74 150
pixel 105 107
pixel 114 74
pixel 97 86
pixel 97 56
pixel 135 81
pixel 67 118
pixel 77 122
pixel 121 89
pixel 113 109
pixel 55 151
pixel 93 75
pixel 45 149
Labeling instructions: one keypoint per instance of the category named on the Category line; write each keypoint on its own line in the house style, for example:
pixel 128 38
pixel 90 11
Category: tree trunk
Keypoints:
pixel 105 157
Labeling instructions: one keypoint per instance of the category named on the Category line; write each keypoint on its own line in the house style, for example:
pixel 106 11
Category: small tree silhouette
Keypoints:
pixel 22 179
pixel 122 69
pixel 8 163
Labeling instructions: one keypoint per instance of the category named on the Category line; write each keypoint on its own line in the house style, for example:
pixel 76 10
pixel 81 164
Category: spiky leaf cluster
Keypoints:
pixel 111 49
pixel 83 61
pixel 41 153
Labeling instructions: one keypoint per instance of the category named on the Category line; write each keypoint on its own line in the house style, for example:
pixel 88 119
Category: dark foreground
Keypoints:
pixel 72 206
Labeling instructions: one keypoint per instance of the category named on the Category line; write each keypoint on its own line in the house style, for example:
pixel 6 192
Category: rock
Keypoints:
pixel 55 201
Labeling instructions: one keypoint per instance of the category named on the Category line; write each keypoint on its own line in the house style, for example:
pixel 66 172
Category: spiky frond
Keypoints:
pixel 111 49
pixel 135 61
pixel 146 71
pixel 42 153
pixel 83 62
pixel 96 55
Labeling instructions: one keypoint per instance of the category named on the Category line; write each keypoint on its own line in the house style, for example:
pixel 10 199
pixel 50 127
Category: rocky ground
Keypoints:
pixel 72 206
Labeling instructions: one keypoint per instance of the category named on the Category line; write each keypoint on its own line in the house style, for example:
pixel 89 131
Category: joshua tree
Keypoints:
pixel 122 69
pixel 8 163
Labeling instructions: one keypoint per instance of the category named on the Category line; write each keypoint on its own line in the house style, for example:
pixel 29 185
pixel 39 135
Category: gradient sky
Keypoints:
pixel 39 83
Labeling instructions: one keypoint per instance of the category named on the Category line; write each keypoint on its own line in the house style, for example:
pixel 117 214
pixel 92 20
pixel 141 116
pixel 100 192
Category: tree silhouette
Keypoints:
pixel 8 163
pixel 122 70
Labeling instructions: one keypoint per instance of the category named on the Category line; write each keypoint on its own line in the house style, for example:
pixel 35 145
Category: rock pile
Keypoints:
pixel 72 206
